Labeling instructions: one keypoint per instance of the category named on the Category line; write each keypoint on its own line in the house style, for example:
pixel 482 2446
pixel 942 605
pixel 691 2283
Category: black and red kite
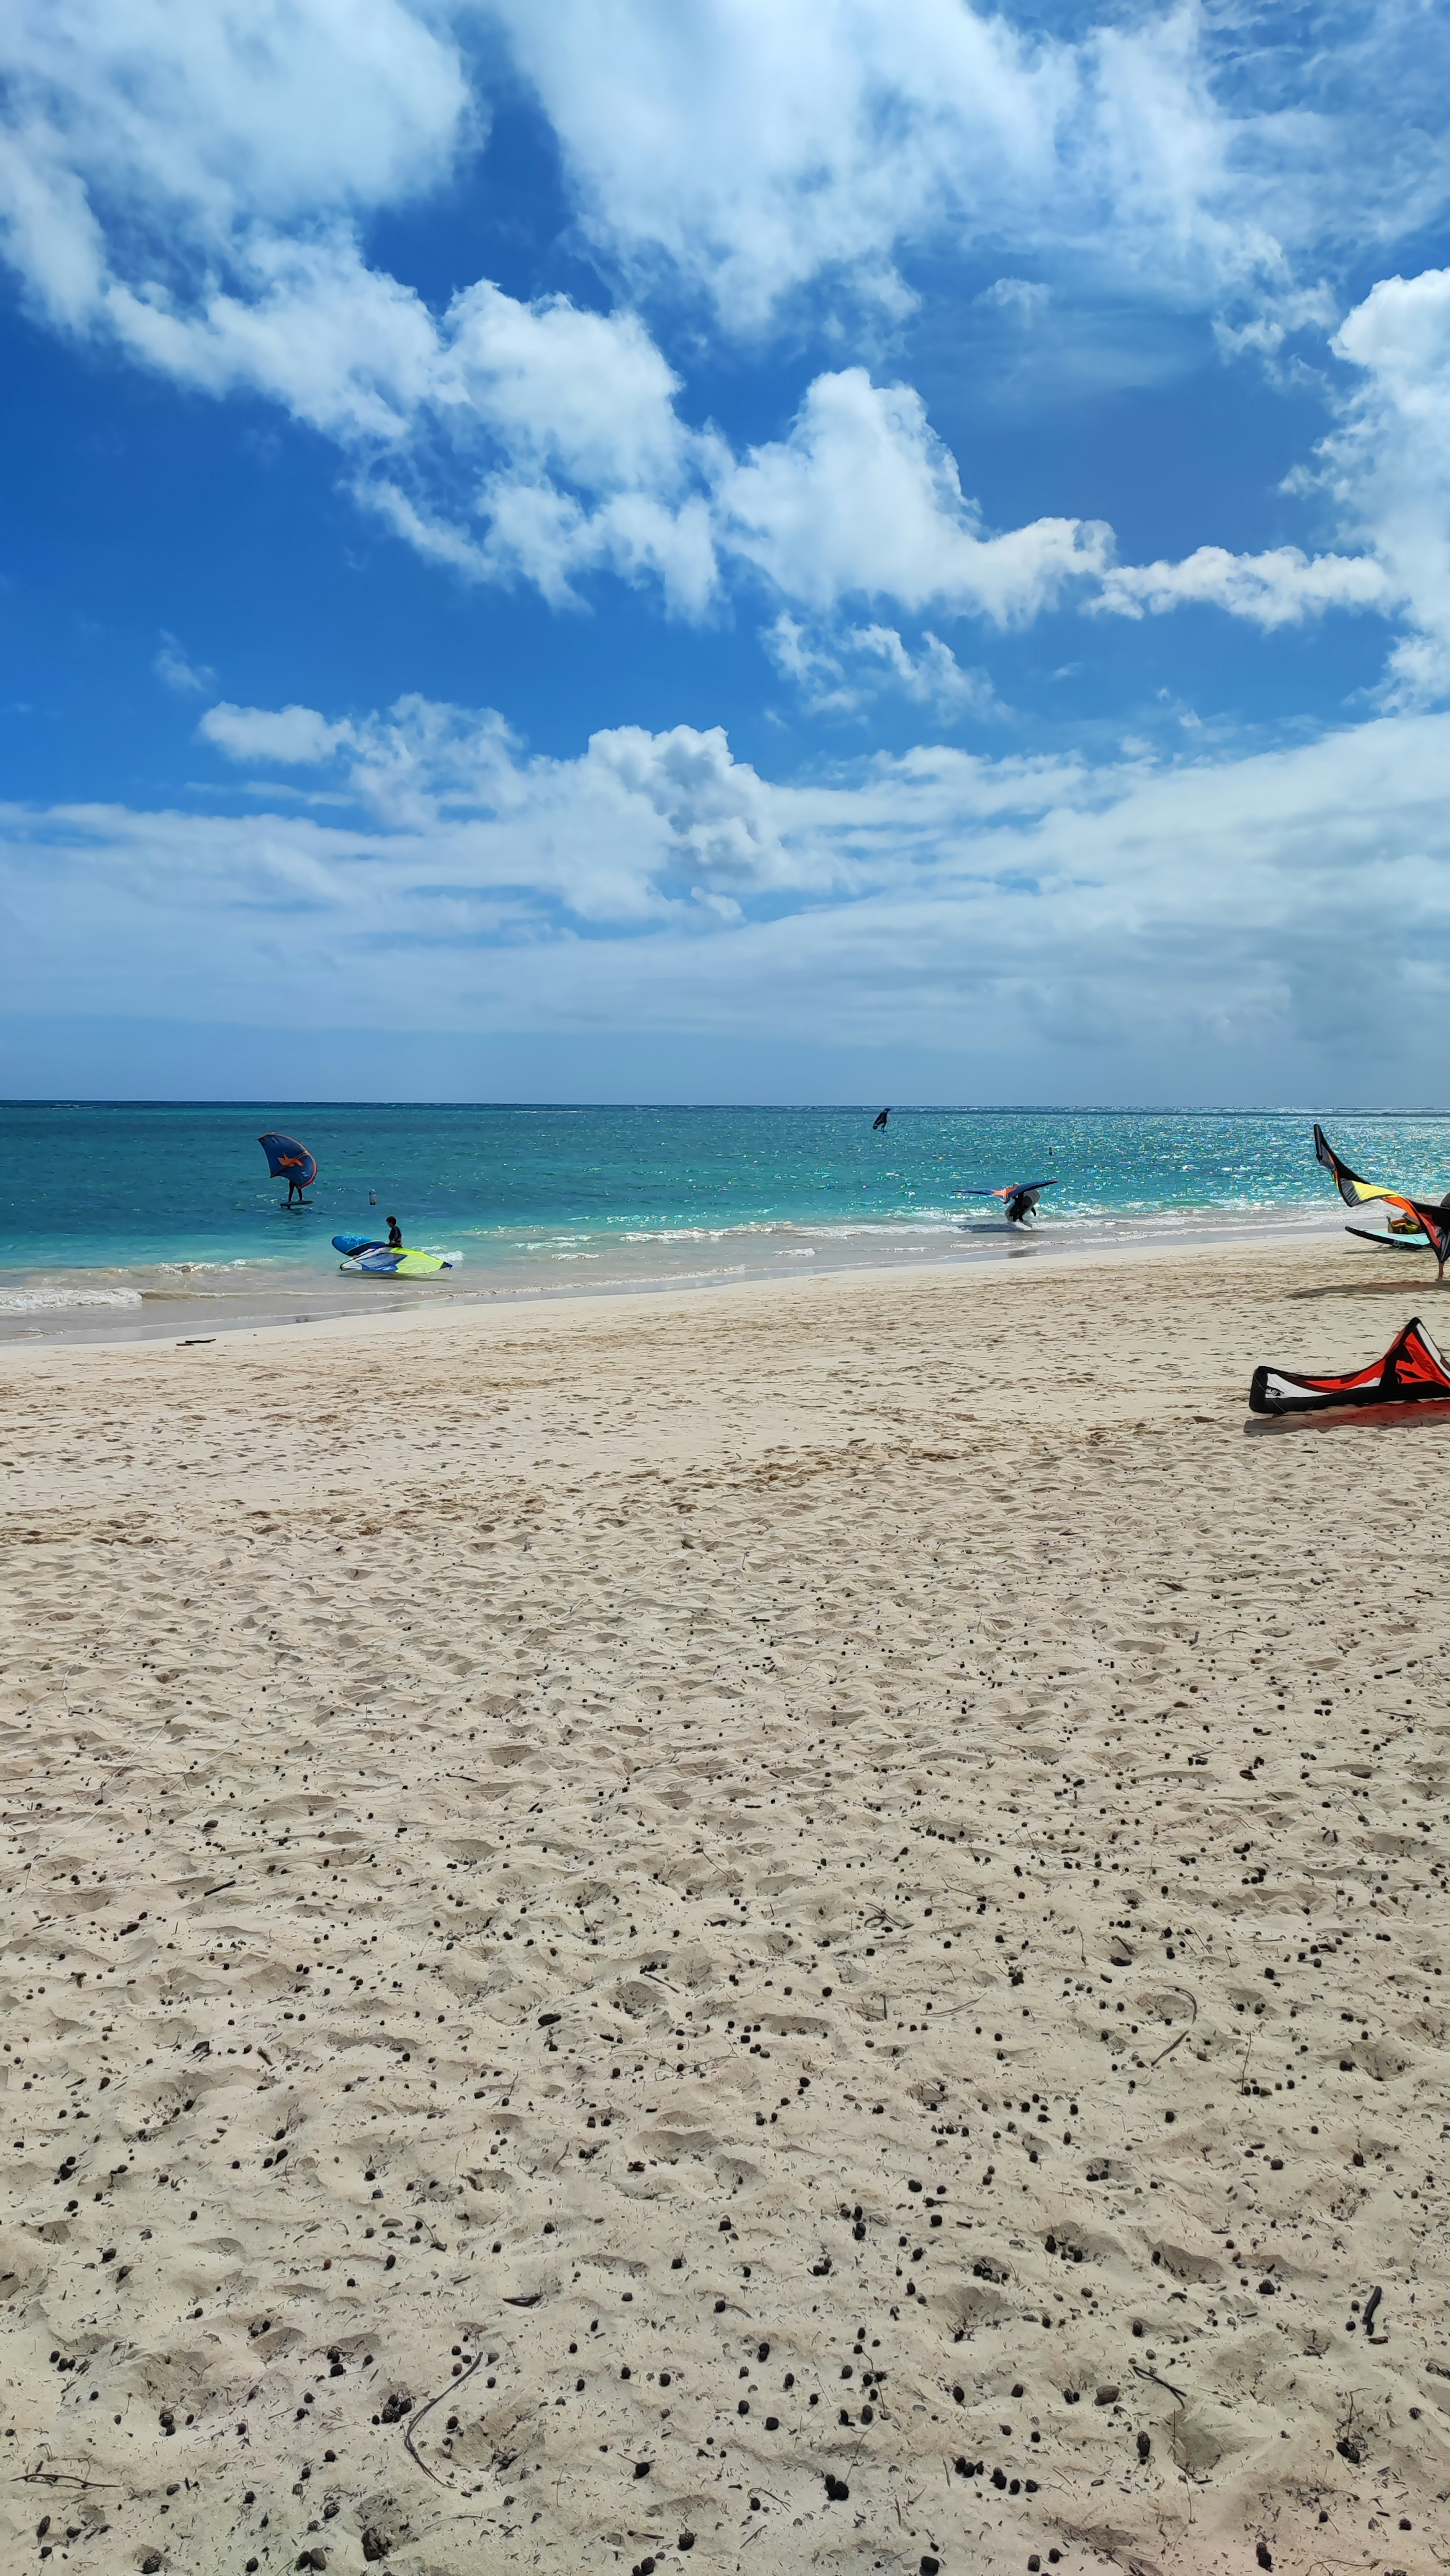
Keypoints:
pixel 1411 1372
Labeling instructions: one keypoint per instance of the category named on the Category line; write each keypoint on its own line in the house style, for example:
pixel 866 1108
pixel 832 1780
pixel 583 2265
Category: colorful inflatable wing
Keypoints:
pixel 1010 1190
pixel 288 1161
pixel 352 1244
pixel 1020 1197
pixel 386 1261
pixel 1432 1218
pixel 1411 1372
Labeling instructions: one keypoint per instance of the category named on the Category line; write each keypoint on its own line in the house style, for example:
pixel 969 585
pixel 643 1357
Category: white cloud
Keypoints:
pixel 1280 587
pixel 862 499
pixel 586 394
pixel 174 667
pixel 204 120
pixel 1387 465
pixel 859 499
pixel 933 677
pixel 537 533
pixel 615 835
pixel 1384 471
pixel 842 670
pixel 1289 900
pixel 753 149
pixel 297 737
pixel 1024 297
pixel 171 186
pixel 173 181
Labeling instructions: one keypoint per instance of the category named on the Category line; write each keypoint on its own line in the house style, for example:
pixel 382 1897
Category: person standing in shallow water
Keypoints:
pixel 395 1235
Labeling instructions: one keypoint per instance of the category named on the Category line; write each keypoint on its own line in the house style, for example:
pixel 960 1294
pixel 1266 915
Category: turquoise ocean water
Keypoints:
pixel 113 1214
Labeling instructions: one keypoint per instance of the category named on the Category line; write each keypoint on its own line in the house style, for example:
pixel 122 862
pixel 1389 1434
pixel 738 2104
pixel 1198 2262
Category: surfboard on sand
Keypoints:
pixel 1390 1242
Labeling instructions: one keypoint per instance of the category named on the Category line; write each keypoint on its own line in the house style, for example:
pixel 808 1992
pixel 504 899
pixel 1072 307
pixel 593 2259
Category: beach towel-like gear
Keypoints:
pixel 1411 1372
pixel 1432 1216
pixel 389 1260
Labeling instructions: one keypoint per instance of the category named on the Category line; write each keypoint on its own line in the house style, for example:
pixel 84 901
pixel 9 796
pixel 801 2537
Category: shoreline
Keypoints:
pixel 193 1316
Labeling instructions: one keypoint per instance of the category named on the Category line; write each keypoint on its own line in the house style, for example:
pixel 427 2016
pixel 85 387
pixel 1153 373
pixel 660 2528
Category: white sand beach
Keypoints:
pixel 801 1928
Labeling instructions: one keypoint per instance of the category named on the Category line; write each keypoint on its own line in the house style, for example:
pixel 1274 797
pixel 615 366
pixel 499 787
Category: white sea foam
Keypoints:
pixel 43 1300
pixel 184 1269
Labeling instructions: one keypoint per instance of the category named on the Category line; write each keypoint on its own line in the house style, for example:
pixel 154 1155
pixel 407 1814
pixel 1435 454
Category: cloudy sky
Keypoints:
pixel 726 549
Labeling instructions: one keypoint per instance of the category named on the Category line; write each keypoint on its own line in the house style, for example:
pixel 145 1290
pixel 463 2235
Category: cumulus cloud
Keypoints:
pixel 1298 895
pixel 1280 587
pixel 861 498
pixel 210 117
pixel 170 184
pixel 170 188
pixel 1387 464
pixel 163 194
pixel 754 149
pixel 623 831
pixel 1384 471
pixel 294 737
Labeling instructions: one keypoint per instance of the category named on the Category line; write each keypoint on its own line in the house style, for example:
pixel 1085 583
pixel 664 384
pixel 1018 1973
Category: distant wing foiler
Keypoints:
pixel 1411 1372
pixel 1432 1216
pixel 289 1161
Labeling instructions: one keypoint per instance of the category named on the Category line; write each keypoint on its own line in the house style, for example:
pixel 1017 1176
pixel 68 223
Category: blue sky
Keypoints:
pixel 697 549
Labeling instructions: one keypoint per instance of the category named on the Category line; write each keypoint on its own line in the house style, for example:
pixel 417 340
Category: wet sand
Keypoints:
pixel 788 1930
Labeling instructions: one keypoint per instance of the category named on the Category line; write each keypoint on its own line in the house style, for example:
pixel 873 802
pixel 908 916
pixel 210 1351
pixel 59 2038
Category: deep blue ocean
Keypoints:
pixel 112 1205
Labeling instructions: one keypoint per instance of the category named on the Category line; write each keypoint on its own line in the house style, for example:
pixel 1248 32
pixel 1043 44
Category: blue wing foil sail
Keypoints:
pixel 288 1161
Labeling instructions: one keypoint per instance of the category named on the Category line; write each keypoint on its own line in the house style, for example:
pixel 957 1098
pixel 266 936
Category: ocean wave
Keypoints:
pixel 42 1300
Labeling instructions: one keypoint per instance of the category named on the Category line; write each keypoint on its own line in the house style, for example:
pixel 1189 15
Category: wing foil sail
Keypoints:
pixel 289 1161
pixel 389 1261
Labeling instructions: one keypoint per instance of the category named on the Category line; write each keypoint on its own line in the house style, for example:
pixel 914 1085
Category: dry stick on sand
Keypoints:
pixel 1183 2034
pixel 60 2478
pixel 1139 2373
pixel 1248 2053
pixel 414 2421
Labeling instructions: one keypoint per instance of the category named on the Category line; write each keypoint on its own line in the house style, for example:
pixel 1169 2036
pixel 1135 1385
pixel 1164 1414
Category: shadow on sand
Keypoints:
pixel 1351 1417
pixel 1401 1286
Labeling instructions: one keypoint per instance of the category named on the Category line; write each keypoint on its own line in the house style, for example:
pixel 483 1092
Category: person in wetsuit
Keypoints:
pixel 395 1235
